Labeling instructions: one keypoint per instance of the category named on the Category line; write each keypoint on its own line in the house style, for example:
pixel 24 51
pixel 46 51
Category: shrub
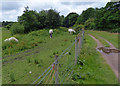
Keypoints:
pixel 79 27
pixel 39 65
pixel 17 28
pixel 8 26
pixel 79 62
pixel 69 53
pixel 12 77
pixel 28 60
pixel 54 53
pixel 36 61
pixel 117 30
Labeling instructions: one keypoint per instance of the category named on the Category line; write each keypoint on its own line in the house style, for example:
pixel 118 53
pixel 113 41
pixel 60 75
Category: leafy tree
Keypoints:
pixel 89 13
pixel 30 20
pixel 35 21
pixel 108 16
pixel 53 19
pixel 62 19
pixel 7 24
pixel 70 19
pixel 90 24
pixel 79 20
pixel 79 27
pixel 42 19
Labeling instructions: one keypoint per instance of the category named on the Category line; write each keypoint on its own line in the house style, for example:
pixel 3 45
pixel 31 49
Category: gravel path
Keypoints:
pixel 111 59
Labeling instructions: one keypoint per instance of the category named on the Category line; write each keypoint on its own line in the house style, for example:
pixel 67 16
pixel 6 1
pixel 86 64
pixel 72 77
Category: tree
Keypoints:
pixel 90 24
pixel 107 18
pixel 30 20
pixel 53 19
pixel 70 19
pixel 42 19
pixel 62 19
pixel 79 27
pixel 89 13
pixel 79 20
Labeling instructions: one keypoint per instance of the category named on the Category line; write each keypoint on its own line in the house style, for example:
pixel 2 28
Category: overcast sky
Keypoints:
pixel 11 9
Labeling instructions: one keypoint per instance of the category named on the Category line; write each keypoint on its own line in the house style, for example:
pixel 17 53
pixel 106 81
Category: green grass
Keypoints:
pixel 100 39
pixel 111 37
pixel 95 70
pixel 45 57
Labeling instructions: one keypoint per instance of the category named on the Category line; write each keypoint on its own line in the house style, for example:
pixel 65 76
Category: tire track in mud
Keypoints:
pixel 21 55
pixel 111 58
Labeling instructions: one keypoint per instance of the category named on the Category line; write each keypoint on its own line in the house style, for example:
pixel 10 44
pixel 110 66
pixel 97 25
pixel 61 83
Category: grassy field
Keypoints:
pixel 26 41
pixel 44 56
pixel 16 68
pixel 111 37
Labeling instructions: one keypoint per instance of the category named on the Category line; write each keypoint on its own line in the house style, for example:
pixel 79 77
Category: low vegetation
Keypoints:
pixel 92 68
pixel 111 37
pixel 25 60
pixel 25 68
pixel 99 38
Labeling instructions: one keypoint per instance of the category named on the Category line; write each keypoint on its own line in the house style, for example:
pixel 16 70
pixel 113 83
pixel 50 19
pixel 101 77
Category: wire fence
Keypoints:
pixel 62 68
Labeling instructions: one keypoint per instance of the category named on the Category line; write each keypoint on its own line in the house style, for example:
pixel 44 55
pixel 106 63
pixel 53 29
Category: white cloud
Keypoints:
pixel 85 0
pixel 11 10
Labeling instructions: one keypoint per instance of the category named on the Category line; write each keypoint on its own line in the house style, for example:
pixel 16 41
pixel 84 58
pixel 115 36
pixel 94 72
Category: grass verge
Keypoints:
pixel 111 37
pixel 91 67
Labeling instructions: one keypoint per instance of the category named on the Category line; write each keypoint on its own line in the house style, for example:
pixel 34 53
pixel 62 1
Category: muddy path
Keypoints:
pixel 111 58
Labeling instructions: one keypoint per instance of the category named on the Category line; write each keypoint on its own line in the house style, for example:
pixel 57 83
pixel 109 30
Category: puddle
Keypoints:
pixel 107 50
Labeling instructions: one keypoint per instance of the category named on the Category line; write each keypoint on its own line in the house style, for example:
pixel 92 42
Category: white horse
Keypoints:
pixel 50 32
pixel 71 30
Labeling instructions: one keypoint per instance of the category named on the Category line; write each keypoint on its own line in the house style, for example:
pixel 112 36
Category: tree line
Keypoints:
pixel 106 18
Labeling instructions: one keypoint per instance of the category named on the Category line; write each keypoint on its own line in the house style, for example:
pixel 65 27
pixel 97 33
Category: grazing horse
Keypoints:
pixel 50 32
pixel 71 30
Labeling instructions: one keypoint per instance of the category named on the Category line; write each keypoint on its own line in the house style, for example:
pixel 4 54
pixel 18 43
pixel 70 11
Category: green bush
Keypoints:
pixel 28 60
pixel 36 61
pixel 79 27
pixel 17 28
pixel 12 77
pixel 8 26
pixel 117 30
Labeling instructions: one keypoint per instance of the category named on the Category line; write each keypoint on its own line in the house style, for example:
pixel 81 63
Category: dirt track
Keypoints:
pixel 111 59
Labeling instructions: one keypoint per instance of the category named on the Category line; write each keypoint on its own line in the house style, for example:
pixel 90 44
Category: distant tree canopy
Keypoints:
pixel 30 20
pixel 70 19
pixel 35 21
pixel 62 19
pixel 53 19
pixel 106 18
pixel 7 24
pixel 89 13
pixel 0 24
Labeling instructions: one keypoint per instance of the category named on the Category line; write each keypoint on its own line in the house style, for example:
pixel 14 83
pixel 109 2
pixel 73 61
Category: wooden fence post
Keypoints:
pixel 79 43
pixel 76 49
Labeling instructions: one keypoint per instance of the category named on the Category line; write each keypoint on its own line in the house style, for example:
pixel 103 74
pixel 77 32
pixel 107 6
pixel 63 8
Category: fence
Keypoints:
pixel 63 66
